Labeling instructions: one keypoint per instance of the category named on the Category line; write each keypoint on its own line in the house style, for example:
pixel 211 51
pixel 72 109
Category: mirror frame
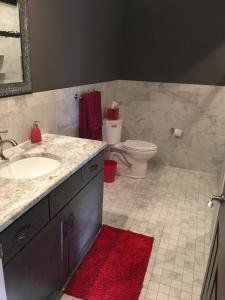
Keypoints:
pixel 18 88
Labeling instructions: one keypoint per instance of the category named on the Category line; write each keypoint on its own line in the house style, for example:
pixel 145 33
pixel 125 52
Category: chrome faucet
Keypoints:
pixel 2 142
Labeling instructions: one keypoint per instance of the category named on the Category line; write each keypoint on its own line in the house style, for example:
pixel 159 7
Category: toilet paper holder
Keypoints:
pixel 178 133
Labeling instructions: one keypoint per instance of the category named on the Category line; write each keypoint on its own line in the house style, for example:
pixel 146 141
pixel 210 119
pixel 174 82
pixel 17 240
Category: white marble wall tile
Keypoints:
pixel 56 110
pixel 150 109
pixel 66 112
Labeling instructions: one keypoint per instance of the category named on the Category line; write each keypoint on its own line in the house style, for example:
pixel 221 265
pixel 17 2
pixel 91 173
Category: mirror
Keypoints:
pixel 15 73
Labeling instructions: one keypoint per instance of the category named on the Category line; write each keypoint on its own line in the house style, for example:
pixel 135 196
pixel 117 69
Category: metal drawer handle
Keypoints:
pixel 22 233
pixel 94 167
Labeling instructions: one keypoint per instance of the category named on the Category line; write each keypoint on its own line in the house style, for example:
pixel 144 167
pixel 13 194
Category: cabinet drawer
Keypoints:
pixel 35 272
pixel 21 231
pixel 92 168
pixel 64 193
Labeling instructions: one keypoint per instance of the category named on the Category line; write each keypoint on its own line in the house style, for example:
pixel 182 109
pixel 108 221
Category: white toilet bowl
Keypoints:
pixel 132 155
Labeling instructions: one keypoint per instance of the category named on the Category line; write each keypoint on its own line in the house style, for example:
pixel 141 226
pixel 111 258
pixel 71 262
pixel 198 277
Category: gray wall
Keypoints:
pixel 74 42
pixel 174 41
pixel 77 42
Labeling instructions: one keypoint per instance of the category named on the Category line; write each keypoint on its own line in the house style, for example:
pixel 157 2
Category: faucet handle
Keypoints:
pixel 4 131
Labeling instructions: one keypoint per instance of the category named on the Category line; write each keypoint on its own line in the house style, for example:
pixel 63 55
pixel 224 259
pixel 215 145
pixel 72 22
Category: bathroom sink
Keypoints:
pixel 29 167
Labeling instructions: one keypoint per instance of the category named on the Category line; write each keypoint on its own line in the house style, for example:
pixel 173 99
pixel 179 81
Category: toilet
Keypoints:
pixel 132 155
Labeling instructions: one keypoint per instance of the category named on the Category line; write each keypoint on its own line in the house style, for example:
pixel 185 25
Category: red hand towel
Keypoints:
pixel 90 117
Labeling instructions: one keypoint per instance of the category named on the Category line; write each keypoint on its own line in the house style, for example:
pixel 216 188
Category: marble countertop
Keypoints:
pixel 18 195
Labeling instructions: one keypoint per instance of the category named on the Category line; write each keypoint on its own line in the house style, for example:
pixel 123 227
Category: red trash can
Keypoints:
pixel 110 167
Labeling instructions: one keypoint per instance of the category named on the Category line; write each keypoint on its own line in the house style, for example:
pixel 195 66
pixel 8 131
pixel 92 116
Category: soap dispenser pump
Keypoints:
pixel 35 135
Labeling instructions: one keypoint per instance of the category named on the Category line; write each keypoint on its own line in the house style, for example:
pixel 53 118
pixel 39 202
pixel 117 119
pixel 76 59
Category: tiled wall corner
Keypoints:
pixel 150 109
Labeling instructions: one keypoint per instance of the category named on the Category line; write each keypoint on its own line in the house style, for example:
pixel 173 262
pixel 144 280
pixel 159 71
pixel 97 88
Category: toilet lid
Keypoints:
pixel 139 145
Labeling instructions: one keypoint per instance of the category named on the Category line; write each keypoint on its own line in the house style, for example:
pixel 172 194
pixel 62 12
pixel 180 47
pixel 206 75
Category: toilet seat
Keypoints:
pixel 139 146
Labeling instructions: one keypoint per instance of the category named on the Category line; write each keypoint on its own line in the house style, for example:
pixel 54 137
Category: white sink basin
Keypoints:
pixel 29 167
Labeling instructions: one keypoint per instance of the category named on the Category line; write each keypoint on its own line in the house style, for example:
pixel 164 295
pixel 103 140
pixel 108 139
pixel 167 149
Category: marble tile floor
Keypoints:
pixel 171 205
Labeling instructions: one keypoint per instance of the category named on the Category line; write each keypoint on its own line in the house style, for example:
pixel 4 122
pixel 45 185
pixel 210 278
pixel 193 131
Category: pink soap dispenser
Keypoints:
pixel 35 135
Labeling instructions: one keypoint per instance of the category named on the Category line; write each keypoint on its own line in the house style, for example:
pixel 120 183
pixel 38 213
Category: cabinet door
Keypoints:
pixel 36 272
pixel 85 220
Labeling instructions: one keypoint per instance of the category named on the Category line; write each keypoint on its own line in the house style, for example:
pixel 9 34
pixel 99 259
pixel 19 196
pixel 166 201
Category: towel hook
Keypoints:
pixel 77 97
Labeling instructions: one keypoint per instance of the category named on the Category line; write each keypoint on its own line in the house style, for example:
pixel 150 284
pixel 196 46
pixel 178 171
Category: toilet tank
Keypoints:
pixel 112 130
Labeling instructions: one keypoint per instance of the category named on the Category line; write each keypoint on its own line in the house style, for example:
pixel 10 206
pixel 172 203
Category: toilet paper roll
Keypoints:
pixel 178 132
pixel 114 105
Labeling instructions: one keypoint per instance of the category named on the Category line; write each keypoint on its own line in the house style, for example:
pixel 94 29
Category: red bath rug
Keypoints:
pixel 114 268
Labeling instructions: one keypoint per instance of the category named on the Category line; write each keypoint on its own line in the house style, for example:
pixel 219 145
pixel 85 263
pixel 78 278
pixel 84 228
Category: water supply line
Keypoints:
pixel 121 152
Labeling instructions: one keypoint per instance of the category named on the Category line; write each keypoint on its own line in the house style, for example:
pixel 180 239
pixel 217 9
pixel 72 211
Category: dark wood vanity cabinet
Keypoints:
pixel 41 268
